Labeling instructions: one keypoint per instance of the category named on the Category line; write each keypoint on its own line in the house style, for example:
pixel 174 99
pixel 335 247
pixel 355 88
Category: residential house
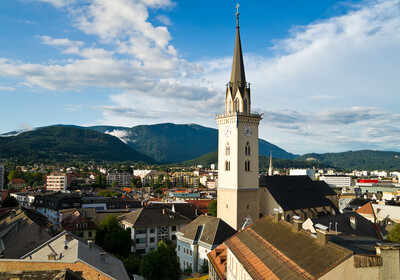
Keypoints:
pixel 150 225
pixel 200 237
pixel 68 251
pixel 271 248
pixel 42 275
pixel 50 204
pixel 25 199
pixel 22 230
pixel 79 225
pixel 17 183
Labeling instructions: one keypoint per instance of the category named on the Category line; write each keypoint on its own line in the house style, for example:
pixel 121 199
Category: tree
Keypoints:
pixel 132 263
pixel 113 238
pixel 161 263
pixel 15 174
pixel 167 182
pixel 212 208
pixel 10 201
pixel 114 185
pixel 394 234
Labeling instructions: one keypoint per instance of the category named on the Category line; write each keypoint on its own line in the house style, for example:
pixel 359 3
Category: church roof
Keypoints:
pixel 297 192
pixel 238 76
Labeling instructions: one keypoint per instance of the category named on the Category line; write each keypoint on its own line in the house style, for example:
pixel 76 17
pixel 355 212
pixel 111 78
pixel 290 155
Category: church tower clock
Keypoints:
pixel 238 186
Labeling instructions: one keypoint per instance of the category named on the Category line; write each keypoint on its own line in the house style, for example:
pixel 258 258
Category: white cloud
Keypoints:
pixel 331 85
pixel 123 135
pixel 4 88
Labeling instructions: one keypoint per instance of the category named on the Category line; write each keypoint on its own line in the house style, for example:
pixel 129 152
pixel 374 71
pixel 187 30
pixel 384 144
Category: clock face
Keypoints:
pixel 248 131
pixel 227 131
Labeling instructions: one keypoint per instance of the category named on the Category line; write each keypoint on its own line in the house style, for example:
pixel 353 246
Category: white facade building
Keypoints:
pixel 25 199
pixel 301 172
pixel 141 173
pixel 337 181
pixel 58 182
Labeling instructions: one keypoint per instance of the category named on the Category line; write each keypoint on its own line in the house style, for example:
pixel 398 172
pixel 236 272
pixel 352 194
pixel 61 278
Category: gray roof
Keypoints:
pixel 78 249
pixel 66 274
pixel 154 216
pixel 364 226
pixel 206 230
pixel 298 192
pixel 22 231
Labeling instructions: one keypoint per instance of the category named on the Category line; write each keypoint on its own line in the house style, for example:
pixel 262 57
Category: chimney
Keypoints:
pixel 68 237
pixel 353 222
pixel 51 257
pixel 323 235
pixel 90 243
pixel 102 256
pixel 163 211
pixel 298 223
pixel 277 214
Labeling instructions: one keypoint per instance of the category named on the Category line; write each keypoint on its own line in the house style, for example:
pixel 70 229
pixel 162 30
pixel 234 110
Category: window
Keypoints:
pixel 179 247
pixel 152 230
pixel 141 231
pixel 140 240
pixel 173 237
pixel 227 165
pixel 247 165
pixel 173 228
pixel 152 240
pixel 236 106
pixel 227 149
pixel 247 149
pixel 90 233
pixel 230 106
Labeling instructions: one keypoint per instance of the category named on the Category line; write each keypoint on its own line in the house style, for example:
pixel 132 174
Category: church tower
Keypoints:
pixel 238 187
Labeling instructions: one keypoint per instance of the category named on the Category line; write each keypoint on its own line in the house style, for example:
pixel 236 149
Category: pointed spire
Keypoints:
pixel 271 169
pixel 238 78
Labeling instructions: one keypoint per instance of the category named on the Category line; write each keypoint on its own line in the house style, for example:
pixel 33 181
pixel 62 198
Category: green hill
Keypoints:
pixel 361 160
pixel 65 143
pixel 212 157
pixel 172 143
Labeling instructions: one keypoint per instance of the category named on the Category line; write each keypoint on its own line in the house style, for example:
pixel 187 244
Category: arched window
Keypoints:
pixel 289 218
pixel 227 149
pixel 247 149
pixel 227 165
pixel 247 165
pixel 236 107
pixel 245 105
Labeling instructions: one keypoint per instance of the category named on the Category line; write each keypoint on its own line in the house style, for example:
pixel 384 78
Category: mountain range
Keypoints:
pixel 165 143
pixel 162 143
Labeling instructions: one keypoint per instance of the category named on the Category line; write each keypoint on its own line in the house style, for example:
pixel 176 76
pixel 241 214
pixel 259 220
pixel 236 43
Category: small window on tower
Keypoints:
pixel 227 165
pixel 227 149
pixel 247 149
pixel 227 206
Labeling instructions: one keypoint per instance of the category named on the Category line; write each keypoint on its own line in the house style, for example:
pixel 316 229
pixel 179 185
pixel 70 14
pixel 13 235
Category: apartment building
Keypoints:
pixel 58 181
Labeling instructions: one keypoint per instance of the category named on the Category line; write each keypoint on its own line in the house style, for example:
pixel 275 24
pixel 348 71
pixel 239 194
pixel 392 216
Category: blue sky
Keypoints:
pixel 325 73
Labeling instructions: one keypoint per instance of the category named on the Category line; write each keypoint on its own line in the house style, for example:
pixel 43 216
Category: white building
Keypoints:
pixel 301 172
pixel 198 238
pixel 25 199
pixel 337 181
pixel 58 182
pixel 141 173
pixel 1 176
pixel 150 225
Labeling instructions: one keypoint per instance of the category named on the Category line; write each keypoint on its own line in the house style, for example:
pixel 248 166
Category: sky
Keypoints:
pixel 324 73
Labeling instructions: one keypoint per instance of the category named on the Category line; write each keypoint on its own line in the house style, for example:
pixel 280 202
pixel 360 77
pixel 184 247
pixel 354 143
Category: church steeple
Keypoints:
pixel 238 91
pixel 238 77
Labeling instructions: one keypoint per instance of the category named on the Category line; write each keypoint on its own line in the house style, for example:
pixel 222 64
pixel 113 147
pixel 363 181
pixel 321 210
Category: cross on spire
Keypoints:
pixel 237 15
pixel 237 8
